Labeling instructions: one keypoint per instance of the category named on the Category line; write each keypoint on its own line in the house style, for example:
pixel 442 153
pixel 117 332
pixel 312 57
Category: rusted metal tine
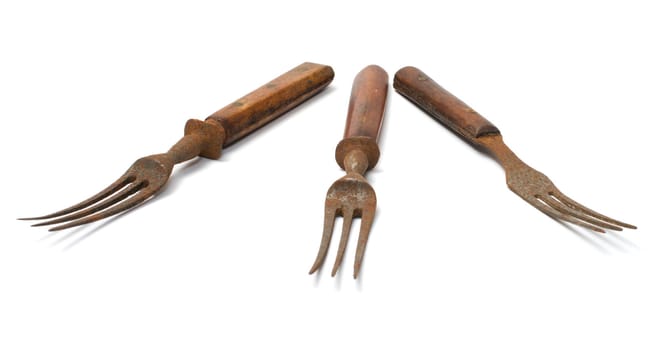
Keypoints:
pixel 202 138
pixel 531 185
pixel 352 196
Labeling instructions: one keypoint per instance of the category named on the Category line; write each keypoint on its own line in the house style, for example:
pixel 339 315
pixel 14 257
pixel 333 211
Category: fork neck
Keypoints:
pixel 357 154
pixel 356 162
pixel 495 145
pixel 201 139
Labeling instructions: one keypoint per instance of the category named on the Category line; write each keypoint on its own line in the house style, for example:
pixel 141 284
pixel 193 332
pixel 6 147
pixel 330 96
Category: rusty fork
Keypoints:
pixel 528 183
pixel 352 196
pixel 202 138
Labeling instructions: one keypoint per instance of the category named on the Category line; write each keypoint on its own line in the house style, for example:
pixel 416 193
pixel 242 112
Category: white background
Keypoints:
pixel 220 259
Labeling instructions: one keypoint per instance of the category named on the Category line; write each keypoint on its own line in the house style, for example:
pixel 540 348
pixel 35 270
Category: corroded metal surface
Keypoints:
pixel 539 191
pixel 531 185
pixel 202 138
pixel 352 196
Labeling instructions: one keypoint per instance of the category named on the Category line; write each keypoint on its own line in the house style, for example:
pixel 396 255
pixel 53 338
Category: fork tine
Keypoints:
pixel 344 239
pixel 137 199
pixel 328 224
pixel 573 204
pixel 557 205
pixel 114 187
pixel 536 202
pixel 365 225
pixel 126 192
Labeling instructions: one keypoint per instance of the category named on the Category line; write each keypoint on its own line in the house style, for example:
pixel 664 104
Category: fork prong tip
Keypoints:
pixel 335 268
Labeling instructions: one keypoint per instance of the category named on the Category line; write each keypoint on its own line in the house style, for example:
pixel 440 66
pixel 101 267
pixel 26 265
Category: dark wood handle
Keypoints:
pixel 367 104
pixel 363 122
pixel 272 100
pixel 416 86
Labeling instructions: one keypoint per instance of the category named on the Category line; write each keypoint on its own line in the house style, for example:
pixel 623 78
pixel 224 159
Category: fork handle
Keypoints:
pixel 367 104
pixel 416 86
pixel 365 115
pixel 271 100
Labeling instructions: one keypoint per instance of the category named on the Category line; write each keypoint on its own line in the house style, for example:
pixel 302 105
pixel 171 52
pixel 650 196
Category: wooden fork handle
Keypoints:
pixel 365 115
pixel 367 104
pixel 271 100
pixel 416 86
